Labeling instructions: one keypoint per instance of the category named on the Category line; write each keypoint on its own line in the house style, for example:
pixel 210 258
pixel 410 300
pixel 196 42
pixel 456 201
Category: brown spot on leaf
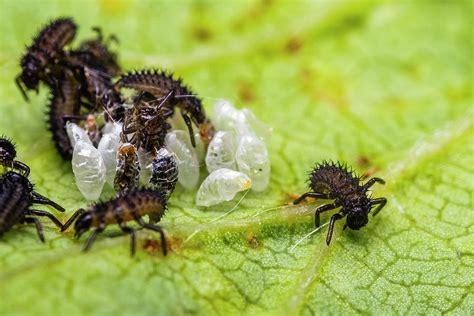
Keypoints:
pixel 252 240
pixel 202 34
pixel 246 94
pixel 293 45
pixel 370 172
pixel 363 161
pixel 174 244
pixel 151 246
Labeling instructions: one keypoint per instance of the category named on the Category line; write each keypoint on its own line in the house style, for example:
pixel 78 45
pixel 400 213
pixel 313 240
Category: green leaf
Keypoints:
pixel 385 86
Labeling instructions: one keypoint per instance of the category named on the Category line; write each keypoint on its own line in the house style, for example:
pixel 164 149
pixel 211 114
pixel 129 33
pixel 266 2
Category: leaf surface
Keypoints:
pixel 386 87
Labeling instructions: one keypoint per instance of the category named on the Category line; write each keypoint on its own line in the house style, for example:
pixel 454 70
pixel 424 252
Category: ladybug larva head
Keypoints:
pixel 357 218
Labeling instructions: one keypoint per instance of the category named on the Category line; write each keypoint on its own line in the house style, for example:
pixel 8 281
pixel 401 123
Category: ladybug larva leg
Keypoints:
pixel 189 125
pixel 322 209
pixel 155 228
pixel 92 238
pixel 314 195
pixel 334 218
pixel 72 219
pixel 20 87
pixel 380 202
pixel 39 228
pixel 39 199
pixel 22 167
pixel 46 214
pixel 133 238
pixel 372 181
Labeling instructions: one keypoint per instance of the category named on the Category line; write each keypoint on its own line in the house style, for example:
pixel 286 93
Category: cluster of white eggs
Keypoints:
pixel 236 158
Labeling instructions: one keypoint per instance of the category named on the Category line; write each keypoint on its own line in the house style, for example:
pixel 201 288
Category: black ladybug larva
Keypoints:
pixel 333 181
pixel 42 57
pixel 63 105
pixel 94 66
pixel 162 85
pixel 8 155
pixel 16 198
pixel 96 51
pixel 127 207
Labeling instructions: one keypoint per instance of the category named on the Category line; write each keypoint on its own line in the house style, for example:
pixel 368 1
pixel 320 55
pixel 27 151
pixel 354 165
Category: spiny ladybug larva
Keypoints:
pixel 94 67
pixel 16 198
pixel 162 85
pixel 146 121
pixel 98 50
pixel 333 181
pixel 8 155
pixel 127 207
pixel 63 105
pixel 40 61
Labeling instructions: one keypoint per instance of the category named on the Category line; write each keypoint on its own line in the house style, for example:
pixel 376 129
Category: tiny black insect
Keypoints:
pixel 130 206
pixel 8 155
pixel 333 181
pixel 40 63
pixel 16 198
pixel 162 85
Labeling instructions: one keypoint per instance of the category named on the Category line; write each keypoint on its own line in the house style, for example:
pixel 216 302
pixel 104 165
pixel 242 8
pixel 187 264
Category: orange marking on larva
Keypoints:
pixel 127 150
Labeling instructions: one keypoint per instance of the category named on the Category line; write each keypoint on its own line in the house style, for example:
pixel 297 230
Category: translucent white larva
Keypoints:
pixel 108 146
pixel 221 151
pixel 242 122
pixel 89 169
pixel 188 162
pixel 221 185
pixel 76 133
pixel 252 159
pixel 225 116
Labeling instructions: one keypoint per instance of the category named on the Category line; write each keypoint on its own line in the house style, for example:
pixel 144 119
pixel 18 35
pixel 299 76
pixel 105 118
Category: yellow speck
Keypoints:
pixel 247 184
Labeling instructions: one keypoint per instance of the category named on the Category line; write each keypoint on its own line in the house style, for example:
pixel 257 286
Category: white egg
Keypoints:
pixel 220 186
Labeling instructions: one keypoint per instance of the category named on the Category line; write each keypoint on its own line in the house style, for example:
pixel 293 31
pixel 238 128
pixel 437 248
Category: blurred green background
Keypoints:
pixel 386 86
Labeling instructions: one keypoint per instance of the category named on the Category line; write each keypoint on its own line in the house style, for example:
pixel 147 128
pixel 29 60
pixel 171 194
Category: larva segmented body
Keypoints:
pixel 132 205
pixel 40 63
pixel 16 198
pixel 334 181
pixel 163 87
